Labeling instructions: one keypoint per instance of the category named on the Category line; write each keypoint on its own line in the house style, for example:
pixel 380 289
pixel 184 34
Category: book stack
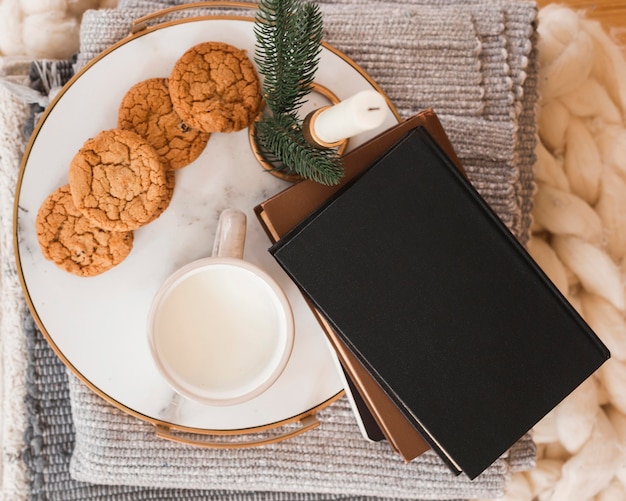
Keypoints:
pixel 450 335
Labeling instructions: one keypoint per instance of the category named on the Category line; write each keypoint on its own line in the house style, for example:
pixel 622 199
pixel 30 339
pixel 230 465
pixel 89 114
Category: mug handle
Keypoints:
pixel 306 423
pixel 230 236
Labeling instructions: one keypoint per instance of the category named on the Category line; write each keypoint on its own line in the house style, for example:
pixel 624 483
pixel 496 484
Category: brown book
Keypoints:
pixel 400 434
pixel 282 212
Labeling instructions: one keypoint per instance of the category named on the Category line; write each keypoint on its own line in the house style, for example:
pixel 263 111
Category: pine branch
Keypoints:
pixel 289 35
pixel 281 142
pixel 288 46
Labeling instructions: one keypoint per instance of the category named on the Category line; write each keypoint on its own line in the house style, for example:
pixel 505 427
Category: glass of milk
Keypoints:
pixel 220 329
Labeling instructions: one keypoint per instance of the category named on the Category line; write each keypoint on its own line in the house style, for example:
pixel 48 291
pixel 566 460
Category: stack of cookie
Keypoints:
pixel 124 178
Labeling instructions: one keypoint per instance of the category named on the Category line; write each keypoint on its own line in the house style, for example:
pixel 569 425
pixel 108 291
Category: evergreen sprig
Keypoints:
pixel 281 141
pixel 289 35
pixel 288 45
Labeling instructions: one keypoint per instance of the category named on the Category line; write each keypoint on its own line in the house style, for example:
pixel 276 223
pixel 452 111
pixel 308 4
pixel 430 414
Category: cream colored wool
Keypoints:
pixel 548 169
pixel 607 321
pixel 543 476
pixel 562 212
pixel 591 100
pixel 615 491
pixel 549 263
pixel 566 54
pixel 43 28
pixel 592 266
pixel 600 458
pixel 613 377
pixel 612 145
pixel 13 475
pixel 553 124
pixel 611 208
pixel 579 239
pixel 576 415
pixel 582 165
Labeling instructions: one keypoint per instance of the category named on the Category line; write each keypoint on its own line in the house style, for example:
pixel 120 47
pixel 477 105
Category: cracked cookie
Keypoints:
pixel 215 88
pixel 147 110
pixel 170 183
pixel 73 242
pixel 117 180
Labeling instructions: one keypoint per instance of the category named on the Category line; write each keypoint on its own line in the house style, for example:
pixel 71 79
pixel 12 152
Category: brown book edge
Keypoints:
pixel 400 434
pixel 285 210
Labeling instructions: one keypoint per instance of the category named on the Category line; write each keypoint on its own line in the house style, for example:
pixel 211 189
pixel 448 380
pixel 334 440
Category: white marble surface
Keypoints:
pixel 98 324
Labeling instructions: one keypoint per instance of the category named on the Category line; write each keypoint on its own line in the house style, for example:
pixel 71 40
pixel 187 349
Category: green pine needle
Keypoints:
pixel 289 34
pixel 281 141
pixel 288 46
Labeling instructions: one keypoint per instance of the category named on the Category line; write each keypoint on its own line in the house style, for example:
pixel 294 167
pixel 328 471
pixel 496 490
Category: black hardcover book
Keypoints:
pixel 441 304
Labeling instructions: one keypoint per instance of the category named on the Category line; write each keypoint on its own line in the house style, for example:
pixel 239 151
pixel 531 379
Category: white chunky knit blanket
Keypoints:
pixel 579 239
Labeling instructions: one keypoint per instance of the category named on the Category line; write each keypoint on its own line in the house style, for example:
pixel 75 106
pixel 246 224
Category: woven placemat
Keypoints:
pixel 50 440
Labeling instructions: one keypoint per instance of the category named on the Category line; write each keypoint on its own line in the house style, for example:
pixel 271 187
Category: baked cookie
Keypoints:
pixel 170 183
pixel 147 110
pixel 215 88
pixel 73 242
pixel 117 180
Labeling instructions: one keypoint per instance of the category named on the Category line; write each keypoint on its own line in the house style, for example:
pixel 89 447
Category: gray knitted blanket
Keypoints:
pixel 474 62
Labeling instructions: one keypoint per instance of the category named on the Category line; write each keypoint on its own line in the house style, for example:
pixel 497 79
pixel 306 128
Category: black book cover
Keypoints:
pixel 441 303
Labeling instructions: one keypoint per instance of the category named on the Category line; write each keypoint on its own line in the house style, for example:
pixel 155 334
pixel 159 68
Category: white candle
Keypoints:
pixel 361 112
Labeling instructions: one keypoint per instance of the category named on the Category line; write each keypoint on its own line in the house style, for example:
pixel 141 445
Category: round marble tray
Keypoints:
pixel 97 325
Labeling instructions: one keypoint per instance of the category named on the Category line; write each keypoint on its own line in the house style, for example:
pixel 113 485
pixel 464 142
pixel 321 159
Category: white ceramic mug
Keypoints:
pixel 220 329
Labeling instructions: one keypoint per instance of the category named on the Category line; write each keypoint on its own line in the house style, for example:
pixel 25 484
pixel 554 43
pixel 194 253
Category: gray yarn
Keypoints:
pixel 333 459
pixel 50 436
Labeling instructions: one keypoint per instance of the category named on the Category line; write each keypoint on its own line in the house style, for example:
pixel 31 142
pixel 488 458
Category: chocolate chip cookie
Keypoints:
pixel 147 110
pixel 215 88
pixel 118 181
pixel 73 242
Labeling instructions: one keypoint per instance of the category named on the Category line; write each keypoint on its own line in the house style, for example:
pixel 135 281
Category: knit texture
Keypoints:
pixel 51 435
pixel 13 113
pixel 120 445
pixel 488 112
